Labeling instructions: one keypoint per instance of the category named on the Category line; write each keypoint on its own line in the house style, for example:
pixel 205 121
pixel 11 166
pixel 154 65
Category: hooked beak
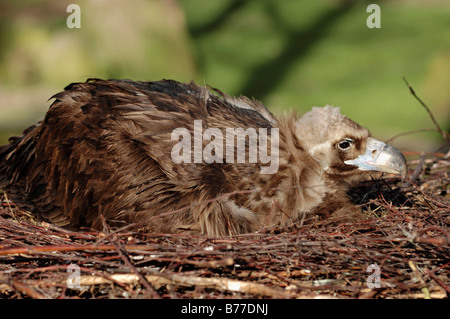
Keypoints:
pixel 380 157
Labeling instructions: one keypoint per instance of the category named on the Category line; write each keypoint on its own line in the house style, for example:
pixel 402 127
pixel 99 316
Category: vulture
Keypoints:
pixel 171 157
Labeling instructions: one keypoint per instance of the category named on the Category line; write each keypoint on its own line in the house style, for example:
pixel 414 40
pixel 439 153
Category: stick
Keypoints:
pixel 444 134
pixel 26 290
pixel 142 279
pixel 205 282
pixel 122 254
pixel 64 248
pixel 410 132
pixel 417 171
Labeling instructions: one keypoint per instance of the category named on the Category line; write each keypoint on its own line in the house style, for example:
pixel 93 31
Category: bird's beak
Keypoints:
pixel 380 157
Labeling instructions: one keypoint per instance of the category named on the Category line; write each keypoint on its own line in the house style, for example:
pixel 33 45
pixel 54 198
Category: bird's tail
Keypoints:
pixel 16 159
pixel 5 153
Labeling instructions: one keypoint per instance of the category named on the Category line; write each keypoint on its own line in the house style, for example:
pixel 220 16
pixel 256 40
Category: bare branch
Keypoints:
pixel 444 134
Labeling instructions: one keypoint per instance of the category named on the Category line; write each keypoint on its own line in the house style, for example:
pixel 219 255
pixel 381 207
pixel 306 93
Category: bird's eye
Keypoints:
pixel 345 144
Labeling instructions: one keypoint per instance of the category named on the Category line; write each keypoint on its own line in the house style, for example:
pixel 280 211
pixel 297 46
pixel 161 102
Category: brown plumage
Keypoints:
pixel 104 150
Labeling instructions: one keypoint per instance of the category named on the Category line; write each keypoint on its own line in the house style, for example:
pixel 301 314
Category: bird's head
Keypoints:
pixel 343 148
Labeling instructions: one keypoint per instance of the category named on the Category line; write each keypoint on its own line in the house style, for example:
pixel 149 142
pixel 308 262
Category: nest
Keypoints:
pixel 400 251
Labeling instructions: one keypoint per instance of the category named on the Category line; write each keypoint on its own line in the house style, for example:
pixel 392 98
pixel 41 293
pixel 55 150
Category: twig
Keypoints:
pixel 142 279
pixel 204 282
pixel 61 248
pixel 410 132
pixel 9 206
pixel 432 275
pixel 24 289
pixel 416 172
pixel 121 251
pixel 444 135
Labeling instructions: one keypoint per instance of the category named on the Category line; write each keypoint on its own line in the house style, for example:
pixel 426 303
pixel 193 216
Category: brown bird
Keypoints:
pixel 171 157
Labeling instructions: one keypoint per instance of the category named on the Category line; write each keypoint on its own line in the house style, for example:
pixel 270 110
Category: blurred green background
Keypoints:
pixel 291 54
